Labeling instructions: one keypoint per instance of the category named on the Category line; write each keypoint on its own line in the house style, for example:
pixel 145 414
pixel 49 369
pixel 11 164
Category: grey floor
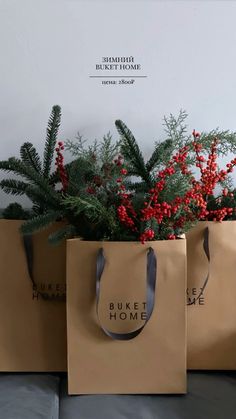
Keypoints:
pixel 44 396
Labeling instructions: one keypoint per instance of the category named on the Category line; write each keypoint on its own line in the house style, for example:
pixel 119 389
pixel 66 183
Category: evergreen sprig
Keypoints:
pixel 40 222
pixel 30 157
pixel 161 153
pixel 51 138
pixel 13 186
pixel 36 177
pixel 132 153
pixel 100 217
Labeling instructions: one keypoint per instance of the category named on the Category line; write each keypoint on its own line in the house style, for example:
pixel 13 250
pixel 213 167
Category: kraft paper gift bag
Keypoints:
pixel 126 312
pixel 32 329
pixel 211 296
pixel 46 264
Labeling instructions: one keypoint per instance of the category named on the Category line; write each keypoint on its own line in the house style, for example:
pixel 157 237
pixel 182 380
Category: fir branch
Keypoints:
pixel 80 171
pixel 30 157
pixel 13 186
pixel 131 151
pixel 63 233
pixel 94 210
pixel 160 155
pixel 18 167
pixel 44 198
pixel 40 222
pixel 54 177
pixel 51 138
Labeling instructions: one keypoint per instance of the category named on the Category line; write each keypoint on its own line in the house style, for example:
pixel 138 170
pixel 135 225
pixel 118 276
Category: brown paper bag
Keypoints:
pixel 32 330
pixel 46 264
pixel 108 352
pixel 211 296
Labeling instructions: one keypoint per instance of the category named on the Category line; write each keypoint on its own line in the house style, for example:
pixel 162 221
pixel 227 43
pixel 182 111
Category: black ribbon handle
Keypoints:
pixel 29 253
pixel 151 285
pixel 207 253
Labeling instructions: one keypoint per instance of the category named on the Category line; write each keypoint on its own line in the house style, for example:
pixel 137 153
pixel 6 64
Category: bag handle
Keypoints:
pixel 207 253
pixel 29 253
pixel 150 297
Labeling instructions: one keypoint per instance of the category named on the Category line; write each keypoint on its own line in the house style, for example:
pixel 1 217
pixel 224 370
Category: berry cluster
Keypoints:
pixel 210 177
pixel 125 211
pixel 124 217
pixel 170 216
pixel 97 182
pixel 60 166
pixel 147 235
pixel 106 175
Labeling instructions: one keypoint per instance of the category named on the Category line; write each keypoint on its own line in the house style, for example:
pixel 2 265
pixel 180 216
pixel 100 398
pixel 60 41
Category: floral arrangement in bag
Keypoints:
pixel 163 205
pixel 109 192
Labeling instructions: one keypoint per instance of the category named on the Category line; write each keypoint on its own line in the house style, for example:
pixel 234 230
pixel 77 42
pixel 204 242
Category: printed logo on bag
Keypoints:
pixel 127 311
pixel 54 290
pixel 195 296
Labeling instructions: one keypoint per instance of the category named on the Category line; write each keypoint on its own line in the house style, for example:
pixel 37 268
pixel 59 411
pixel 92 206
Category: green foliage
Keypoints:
pixel 132 153
pixel 176 137
pixel 68 231
pixel 30 157
pixel 101 219
pixel 90 201
pixel 160 155
pixel 15 211
pixel 176 130
pixel 219 202
pixel 36 178
pixel 145 173
pixel 227 141
pixel 51 139
pixel 40 222
pixel 96 152
pixel 13 186
pixel 93 167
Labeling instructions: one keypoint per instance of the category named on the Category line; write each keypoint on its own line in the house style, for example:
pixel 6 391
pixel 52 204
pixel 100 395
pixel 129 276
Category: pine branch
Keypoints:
pixel 40 222
pixel 13 186
pixel 54 177
pixel 80 172
pixel 93 209
pixel 52 131
pixel 131 151
pixel 30 157
pixel 63 233
pixel 18 167
pixel 44 198
pixel 160 155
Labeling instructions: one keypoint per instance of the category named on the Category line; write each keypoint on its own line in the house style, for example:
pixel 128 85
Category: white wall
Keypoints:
pixel 49 48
